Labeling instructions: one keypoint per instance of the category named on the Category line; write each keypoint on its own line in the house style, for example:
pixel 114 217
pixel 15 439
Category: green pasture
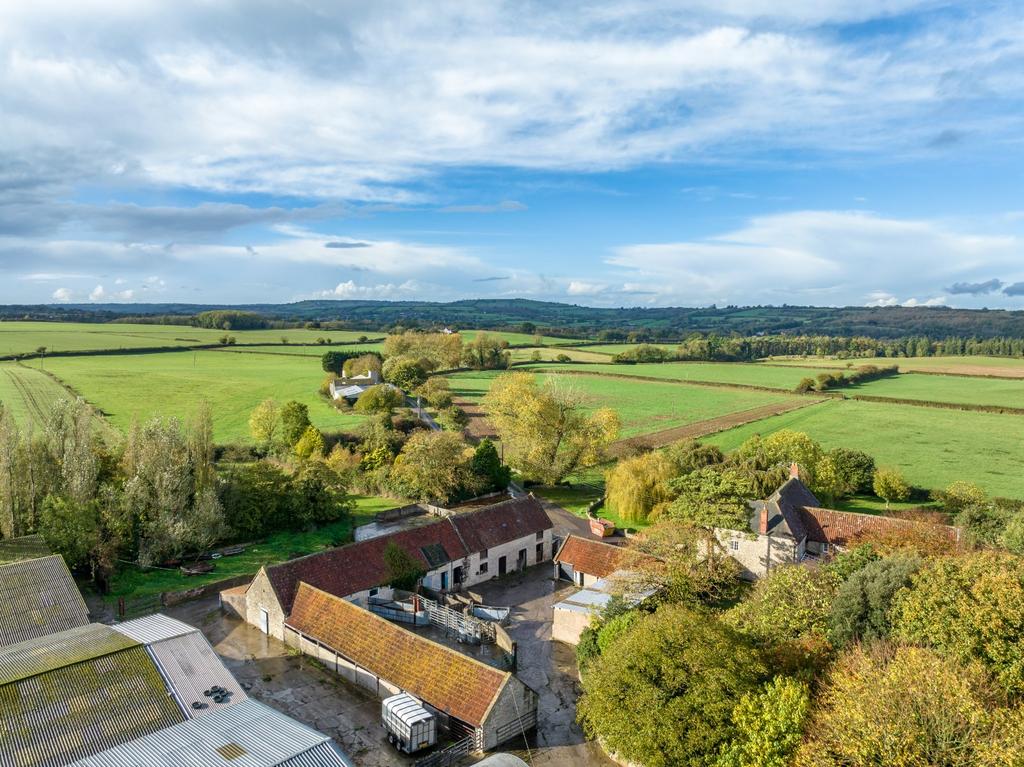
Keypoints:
pixel 139 387
pixel 1001 392
pixel 301 351
pixel 746 373
pixel 609 350
pixel 548 354
pixel 520 339
pixel 27 393
pixel 975 365
pixel 26 337
pixel 136 582
pixel 643 406
pixel 932 446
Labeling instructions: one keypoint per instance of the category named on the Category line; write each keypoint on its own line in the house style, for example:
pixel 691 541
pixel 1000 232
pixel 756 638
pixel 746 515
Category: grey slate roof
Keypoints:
pixel 246 735
pixel 38 597
pixel 784 505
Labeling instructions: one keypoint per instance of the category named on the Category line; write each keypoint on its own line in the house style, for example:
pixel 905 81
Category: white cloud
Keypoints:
pixel 817 257
pixel 349 289
pixel 579 288
pixel 99 293
pixel 62 295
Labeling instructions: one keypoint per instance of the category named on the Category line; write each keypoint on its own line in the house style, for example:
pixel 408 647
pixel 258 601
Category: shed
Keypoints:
pixel 38 597
pixel 469 697
pixel 583 561
pixel 247 735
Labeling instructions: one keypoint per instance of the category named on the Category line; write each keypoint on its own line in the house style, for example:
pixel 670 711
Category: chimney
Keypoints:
pixel 762 524
pixel 794 471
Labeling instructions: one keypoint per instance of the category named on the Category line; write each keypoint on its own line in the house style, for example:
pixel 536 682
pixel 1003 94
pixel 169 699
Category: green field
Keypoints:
pixel 520 339
pixel 27 392
pixel 130 387
pixel 548 354
pixel 1005 392
pixel 26 337
pixel 301 351
pixel 746 373
pixel 610 349
pixel 976 366
pixel 643 406
pixel 933 447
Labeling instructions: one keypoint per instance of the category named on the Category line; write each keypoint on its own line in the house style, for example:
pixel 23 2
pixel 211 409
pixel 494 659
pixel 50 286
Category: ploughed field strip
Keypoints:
pixel 975 366
pixel 28 393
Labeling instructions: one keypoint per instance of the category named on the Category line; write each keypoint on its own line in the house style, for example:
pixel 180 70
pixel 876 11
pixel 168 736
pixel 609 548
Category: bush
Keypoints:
pixel 379 399
pixel 860 611
pixel 452 418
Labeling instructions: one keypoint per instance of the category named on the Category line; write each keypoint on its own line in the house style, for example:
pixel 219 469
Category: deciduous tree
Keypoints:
pixel 294 422
pixel 768 724
pixel 860 610
pixel 435 466
pixel 265 424
pixel 889 485
pixel 636 485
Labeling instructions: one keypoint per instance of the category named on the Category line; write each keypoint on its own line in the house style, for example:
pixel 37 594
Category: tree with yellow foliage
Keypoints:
pixel 545 428
pixel 636 485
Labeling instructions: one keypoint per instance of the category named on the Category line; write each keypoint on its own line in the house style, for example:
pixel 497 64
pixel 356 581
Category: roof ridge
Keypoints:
pixel 877 516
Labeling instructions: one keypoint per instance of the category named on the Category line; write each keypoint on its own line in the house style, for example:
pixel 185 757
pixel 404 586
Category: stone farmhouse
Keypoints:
pixel 791 526
pixel 456 552
pixel 470 698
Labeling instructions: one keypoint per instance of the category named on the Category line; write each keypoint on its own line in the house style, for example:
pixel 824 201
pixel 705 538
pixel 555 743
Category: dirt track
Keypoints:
pixel 704 428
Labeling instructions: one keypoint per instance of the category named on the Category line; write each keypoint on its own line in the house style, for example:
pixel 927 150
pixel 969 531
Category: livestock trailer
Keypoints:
pixel 409 725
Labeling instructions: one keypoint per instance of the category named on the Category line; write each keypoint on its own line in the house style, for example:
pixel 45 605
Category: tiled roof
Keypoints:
pixel 97 689
pixel 591 557
pixel 360 566
pixel 502 522
pixel 783 508
pixel 443 678
pixel 839 527
pixel 25 547
pixel 38 597
pixel 255 735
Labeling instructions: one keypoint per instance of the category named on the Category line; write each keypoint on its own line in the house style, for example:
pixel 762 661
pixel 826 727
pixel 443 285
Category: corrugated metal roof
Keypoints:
pixel 250 732
pixel 25 547
pixel 55 716
pixel 153 628
pixel 38 597
pixel 191 667
pixel 47 653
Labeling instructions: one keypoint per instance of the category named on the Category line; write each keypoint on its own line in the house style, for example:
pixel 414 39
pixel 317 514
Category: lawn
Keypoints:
pixel 1005 392
pixel 643 406
pixel 139 387
pixel 136 582
pixel 1011 367
pixel 933 447
pixel 26 337
pixel 751 374
pixel 27 392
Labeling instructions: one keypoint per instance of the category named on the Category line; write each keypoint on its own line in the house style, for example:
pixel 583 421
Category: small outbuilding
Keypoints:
pixel 585 561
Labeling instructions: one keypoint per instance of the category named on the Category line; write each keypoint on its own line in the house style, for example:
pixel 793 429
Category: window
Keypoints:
pixel 734 545
pixel 483 554
pixel 540 536
pixel 824 548
pixel 483 567
pixel 373 592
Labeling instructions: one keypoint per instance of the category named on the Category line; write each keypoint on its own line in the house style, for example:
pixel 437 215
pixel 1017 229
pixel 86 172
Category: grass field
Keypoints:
pixel 608 350
pixel 1008 367
pixel 751 374
pixel 27 392
pixel 26 337
pixel 520 339
pixel 1005 392
pixel 136 582
pixel 644 406
pixel 548 354
pixel 932 447
pixel 300 351
pixel 141 386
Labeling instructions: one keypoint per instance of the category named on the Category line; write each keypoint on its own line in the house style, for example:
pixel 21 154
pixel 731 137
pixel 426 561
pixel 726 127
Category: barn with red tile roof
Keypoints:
pixel 469 696
pixel 455 552
pixel 583 561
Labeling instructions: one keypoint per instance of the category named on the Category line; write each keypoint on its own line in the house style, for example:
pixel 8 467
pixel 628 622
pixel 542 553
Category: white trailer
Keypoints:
pixel 409 725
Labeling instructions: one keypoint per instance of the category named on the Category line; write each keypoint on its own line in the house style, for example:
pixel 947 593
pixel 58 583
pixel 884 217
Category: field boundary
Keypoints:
pixel 708 427
pixel 998 409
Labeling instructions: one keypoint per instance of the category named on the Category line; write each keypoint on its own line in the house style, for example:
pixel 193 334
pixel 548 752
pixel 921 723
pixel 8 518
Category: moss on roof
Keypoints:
pixel 47 653
pixel 25 547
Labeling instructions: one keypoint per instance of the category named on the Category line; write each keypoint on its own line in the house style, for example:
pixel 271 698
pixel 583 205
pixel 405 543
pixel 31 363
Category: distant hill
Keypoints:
pixel 570 319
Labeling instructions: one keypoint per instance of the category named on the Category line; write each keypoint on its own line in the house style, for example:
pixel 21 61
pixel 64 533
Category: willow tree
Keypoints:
pixel 546 429
pixel 635 486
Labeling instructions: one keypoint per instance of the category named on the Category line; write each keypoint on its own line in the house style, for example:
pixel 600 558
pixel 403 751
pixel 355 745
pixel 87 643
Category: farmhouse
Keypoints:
pixel 247 733
pixel 455 552
pixel 791 526
pixel 350 387
pixel 469 698
pixel 38 597
pixel 79 692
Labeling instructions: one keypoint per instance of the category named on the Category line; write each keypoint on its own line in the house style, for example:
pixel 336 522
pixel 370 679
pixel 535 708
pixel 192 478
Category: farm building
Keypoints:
pixel 469 698
pixel 247 734
pixel 791 526
pixel 38 597
pixel 24 547
pixel 456 552
pixel 113 685
pixel 584 561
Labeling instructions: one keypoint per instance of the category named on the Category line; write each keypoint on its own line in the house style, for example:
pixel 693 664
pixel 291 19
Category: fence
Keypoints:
pixel 456 622
pixel 451 755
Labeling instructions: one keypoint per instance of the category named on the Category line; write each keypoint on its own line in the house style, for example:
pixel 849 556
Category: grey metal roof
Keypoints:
pixel 153 628
pixel 248 734
pixel 47 653
pixel 38 597
pixel 191 667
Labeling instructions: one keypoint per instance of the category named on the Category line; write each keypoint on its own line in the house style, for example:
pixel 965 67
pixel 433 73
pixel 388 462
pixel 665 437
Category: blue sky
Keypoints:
pixel 610 154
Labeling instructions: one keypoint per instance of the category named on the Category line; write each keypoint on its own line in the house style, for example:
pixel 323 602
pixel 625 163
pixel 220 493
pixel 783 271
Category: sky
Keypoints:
pixel 629 153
